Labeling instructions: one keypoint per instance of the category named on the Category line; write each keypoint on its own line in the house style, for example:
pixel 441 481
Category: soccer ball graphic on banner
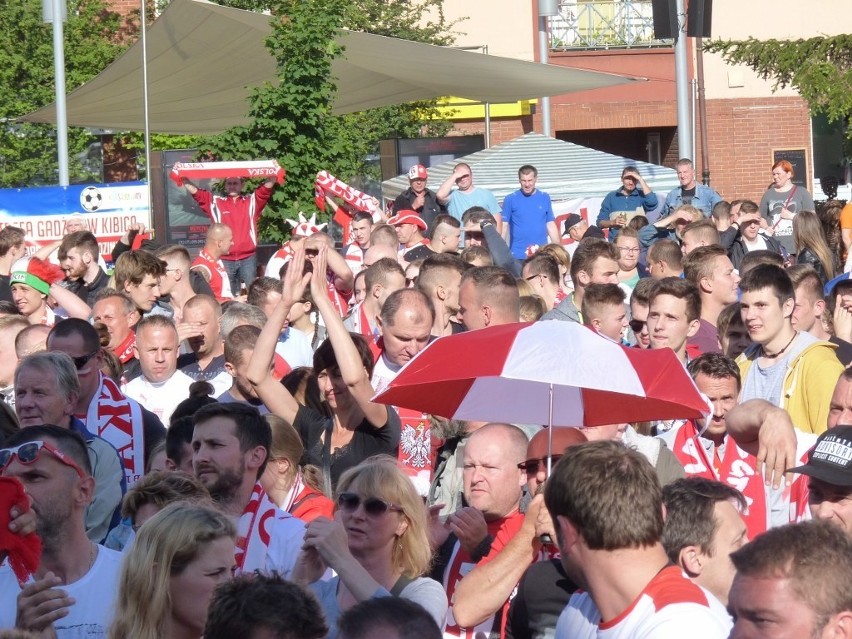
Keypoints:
pixel 91 198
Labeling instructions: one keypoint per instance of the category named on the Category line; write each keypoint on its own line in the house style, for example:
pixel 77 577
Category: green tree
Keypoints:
pixel 820 69
pixel 28 151
pixel 293 121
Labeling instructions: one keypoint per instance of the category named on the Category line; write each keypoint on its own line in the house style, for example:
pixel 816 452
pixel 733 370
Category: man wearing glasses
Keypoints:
pixel 133 430
pixel 46 391
pixel 466 195
pixel 76 582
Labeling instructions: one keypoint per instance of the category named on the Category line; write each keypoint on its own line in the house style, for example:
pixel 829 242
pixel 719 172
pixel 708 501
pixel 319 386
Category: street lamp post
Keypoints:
pixel 55 11
pixel 545 8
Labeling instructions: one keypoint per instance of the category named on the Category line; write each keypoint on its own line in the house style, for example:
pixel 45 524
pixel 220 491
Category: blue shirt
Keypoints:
pixel 627 202
pixel 460 202
pixel 527 217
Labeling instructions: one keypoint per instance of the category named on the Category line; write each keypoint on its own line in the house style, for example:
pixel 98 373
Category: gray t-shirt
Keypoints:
pixel 771 205
pixel 766 382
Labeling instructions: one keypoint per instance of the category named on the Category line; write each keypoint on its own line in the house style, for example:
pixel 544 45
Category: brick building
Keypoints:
pixel 745 119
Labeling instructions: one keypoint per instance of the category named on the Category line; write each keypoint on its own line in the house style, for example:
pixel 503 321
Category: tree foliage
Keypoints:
pixel 293 120
pixel 820 68
pixel 288 121
pixel 28 151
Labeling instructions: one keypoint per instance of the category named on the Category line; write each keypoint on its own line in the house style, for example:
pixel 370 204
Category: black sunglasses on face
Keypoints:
pixel 80 362
pixel 637 325
pixel 373 506
pixel 531 466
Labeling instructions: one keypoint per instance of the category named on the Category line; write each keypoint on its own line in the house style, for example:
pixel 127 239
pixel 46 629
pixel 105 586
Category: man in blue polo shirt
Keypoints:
pixel 528 215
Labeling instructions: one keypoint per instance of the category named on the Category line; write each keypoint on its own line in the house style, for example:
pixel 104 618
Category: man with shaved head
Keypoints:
pixel 379 251
pixel 199 329
pixel 209 263
pixel 493 483
pixel 488 296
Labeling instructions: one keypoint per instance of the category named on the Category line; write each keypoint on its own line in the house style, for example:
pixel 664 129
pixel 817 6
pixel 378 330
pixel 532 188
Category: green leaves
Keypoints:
pixel 28 151
pixel 293 121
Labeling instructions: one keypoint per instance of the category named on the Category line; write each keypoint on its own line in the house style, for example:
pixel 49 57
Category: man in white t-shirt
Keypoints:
pixel 230 444
pixel 199 327
pixel 703 527
pixel 161 387
pixel 615 554
pixel 72 592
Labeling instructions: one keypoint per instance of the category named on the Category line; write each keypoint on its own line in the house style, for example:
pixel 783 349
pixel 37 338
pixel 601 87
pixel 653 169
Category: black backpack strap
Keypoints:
pixel 400 585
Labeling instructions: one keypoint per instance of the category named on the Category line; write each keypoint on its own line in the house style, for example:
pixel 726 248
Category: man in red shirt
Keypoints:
pixel 492 486
pixel 220 240
pixel 240 212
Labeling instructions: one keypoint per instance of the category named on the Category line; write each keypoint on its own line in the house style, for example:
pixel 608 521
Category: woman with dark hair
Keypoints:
pixel 343 364
pixel 782 201
pixel 303 385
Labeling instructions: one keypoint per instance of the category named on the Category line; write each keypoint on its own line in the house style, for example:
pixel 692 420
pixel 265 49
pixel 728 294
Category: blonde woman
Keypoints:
pixel 377 544
pixel 179 557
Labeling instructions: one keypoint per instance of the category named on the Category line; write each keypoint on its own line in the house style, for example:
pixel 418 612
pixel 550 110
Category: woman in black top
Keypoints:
pixel 358 428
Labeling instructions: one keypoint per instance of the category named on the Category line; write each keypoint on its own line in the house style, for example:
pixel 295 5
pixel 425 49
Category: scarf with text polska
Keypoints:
pixel 739 469
pixel 326 184
pixel 221 170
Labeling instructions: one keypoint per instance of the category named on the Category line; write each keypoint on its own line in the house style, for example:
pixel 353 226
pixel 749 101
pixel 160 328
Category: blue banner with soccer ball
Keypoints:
pixel 107 210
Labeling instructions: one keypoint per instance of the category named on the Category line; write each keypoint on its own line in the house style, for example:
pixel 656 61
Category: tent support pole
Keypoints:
pixel 144 27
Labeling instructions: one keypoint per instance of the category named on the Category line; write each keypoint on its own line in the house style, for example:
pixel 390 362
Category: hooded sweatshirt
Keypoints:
pixel 811 370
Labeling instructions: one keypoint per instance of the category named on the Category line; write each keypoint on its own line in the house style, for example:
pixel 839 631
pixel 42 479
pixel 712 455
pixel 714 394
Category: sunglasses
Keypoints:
pixel 474 235
pixel 373 506
pixel 637 325
pixel 531 466
pixel 29 452
pixel 80 362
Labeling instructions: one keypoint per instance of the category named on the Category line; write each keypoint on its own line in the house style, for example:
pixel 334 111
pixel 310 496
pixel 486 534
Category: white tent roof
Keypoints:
pixel 204 58
pixel 565 170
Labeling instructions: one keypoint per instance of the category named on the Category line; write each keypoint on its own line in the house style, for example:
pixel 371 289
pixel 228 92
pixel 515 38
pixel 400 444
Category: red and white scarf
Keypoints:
pixel 124 351
pixel 253 532
pixel 118 420
pixel 327 184
pixel 739 469
pixel 220 170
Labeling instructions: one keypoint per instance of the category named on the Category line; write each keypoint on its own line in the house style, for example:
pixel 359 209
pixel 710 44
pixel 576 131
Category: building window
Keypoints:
pixel 604 24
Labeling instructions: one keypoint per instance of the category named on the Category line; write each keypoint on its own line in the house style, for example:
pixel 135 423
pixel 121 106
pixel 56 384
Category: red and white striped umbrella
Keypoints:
pixel 550 373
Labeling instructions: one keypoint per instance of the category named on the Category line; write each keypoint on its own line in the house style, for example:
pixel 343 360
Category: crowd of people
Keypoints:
pixel 189 450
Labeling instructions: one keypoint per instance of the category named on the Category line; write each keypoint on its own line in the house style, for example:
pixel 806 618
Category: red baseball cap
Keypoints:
pixel 407 217
pixel 417 172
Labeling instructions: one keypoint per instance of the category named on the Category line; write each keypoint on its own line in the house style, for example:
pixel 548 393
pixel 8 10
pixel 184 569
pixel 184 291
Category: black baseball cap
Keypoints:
pixel 572 219
pixel 831 458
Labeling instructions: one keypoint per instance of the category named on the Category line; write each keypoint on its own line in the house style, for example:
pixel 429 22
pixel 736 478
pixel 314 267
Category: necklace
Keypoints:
pixel 781 352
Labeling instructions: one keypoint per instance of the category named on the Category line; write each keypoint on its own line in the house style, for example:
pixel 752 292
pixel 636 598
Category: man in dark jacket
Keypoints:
pixel 419 199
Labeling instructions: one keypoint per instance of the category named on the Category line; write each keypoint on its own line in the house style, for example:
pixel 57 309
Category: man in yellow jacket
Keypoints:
pixel 788 368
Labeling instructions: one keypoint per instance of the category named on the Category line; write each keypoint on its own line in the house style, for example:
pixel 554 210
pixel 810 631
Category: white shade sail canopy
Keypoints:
pixel 203 60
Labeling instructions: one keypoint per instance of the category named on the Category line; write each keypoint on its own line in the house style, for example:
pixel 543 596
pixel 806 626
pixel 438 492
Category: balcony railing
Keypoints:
pixel 604 24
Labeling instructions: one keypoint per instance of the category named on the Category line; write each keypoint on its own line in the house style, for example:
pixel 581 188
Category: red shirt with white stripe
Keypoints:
pixel 670 606
pixel 217 275
pixel 240 213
